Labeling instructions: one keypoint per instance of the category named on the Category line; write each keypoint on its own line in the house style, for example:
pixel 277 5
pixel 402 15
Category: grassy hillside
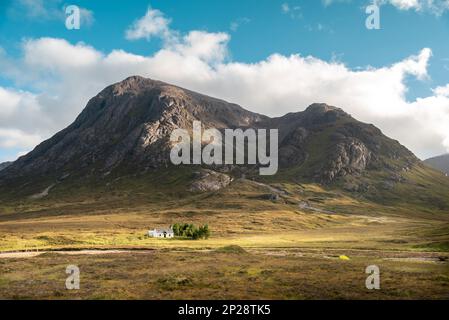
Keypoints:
pixel 117 211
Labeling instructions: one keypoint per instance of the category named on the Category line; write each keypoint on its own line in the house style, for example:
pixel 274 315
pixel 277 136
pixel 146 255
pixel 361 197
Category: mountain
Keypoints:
pixel 3 165
pixel 324 143
pixel 125 130
pixel 128 124
pixel 440 163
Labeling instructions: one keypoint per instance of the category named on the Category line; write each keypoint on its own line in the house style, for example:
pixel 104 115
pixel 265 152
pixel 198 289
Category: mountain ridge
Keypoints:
pixel 127 127
pixel 4 165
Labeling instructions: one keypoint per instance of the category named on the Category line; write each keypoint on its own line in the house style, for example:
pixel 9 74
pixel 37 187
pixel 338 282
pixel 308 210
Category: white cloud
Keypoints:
pixel 198 61
pixel 153 24
pixel 17 109
pixel 206 46
pixel 8 102
pixel 436 7
pixel 285 8
pixel 11 138
pixel 87 17
pixel 235 25
pixel 442 91
pixel 327 3
pixel 22 119
pixel 59 55
pixel 293 11
pixel 38 8
pixel 210 47
pixel 407 4
pixel 44 10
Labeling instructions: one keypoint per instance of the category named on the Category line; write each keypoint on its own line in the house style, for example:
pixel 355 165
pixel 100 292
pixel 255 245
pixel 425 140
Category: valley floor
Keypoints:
pixel 303 264
pixel 259 249
pixel 228 273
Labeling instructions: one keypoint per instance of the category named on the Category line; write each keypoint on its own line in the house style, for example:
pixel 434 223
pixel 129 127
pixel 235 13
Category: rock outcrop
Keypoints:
pixel 347 158
pixel 208 180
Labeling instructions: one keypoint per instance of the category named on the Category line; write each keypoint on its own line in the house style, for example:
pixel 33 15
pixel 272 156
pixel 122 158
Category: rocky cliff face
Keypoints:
pixel 349 157
pixel 128 124
pixel 326 144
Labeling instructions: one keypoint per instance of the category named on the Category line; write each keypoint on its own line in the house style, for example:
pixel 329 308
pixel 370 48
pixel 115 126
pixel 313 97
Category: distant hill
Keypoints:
pixel 440 163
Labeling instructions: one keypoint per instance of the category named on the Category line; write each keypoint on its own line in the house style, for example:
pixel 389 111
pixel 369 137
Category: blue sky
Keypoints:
pixel 332 33
pixel 263 30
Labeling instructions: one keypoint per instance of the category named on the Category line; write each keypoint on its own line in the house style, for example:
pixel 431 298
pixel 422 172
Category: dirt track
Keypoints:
pixel 32 254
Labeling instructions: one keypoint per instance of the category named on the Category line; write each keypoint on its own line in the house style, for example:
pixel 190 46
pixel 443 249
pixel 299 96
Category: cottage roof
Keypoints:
pixel 166 230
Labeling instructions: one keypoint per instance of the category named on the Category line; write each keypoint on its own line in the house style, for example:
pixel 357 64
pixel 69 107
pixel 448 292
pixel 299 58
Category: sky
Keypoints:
pixel 269 56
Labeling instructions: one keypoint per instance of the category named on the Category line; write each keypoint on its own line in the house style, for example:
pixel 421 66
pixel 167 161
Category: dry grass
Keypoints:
pixel 288 252
pixel 222 274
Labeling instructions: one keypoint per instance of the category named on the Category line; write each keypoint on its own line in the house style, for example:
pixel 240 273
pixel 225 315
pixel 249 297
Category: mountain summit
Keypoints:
pixel 128 123
pixel 126 128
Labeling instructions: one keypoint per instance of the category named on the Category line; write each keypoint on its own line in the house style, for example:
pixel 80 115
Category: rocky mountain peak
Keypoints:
pixel 134 84
pixel 320 108
pixel 325 112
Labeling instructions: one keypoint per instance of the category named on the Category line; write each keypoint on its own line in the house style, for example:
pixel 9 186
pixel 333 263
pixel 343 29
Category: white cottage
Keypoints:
pixel 161 233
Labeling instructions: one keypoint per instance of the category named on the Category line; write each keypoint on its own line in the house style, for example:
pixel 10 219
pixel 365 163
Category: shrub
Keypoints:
pixel 191 231
pixel 234 249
